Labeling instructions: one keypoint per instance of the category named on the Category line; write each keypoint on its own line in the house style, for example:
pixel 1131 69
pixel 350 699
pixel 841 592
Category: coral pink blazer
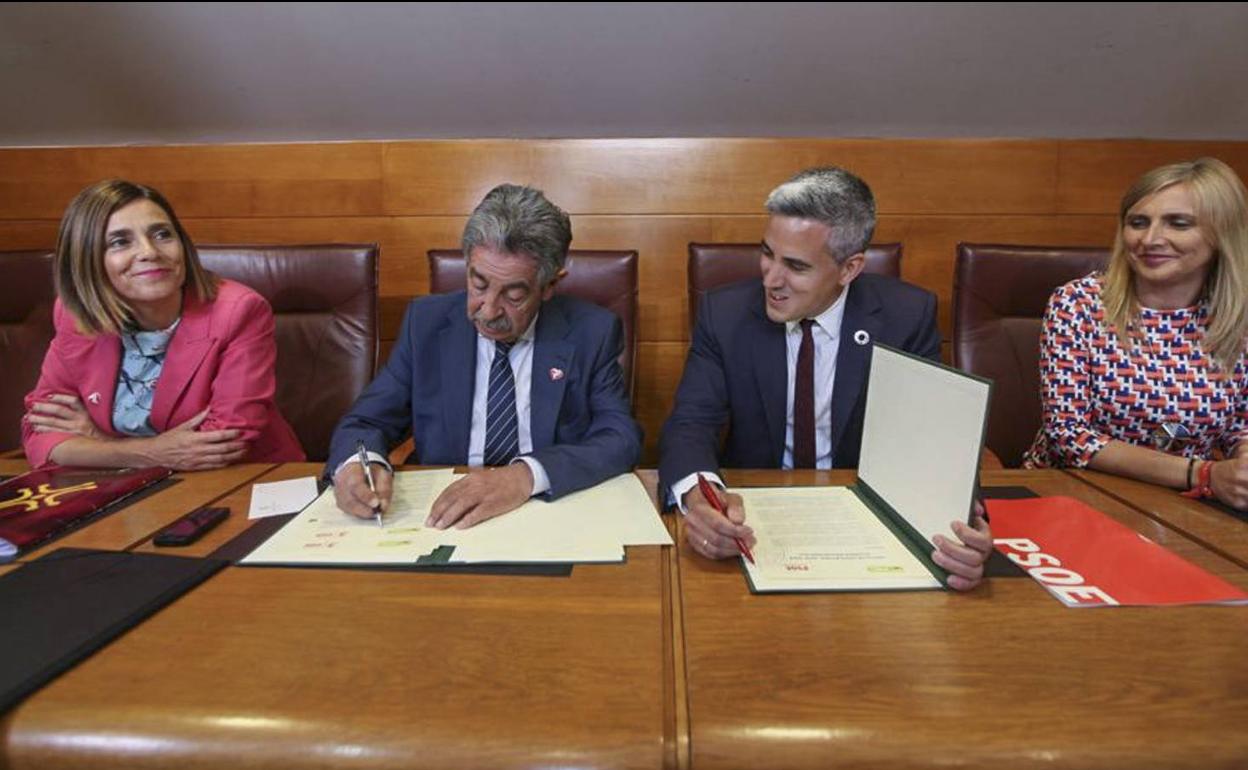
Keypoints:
pixel 221 357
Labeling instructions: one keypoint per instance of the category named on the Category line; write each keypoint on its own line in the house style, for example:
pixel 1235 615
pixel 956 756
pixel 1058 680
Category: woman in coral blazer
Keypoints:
pixel 155 361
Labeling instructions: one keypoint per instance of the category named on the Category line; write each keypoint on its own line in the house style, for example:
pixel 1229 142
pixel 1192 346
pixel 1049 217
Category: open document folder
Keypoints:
pixel 923 432
pixel 592 525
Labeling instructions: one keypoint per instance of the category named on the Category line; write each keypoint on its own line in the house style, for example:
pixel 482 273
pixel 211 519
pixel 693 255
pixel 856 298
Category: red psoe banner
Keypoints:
pixel 1086 559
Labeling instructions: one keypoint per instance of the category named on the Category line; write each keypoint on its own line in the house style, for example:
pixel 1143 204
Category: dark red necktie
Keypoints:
pixel 804 401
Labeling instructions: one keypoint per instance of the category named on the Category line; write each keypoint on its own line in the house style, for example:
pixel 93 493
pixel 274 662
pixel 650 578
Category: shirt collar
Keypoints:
pixel 829 320
pixel 149 342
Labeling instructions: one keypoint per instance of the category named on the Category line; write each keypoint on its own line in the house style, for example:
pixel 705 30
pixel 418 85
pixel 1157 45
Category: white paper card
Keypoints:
pixel 279 497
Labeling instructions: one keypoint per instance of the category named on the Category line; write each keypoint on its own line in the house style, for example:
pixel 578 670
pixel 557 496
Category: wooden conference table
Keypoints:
pixel 135 523
pixel 664 661
pixel 291 668
pixel 1219 531
pixel 1003 677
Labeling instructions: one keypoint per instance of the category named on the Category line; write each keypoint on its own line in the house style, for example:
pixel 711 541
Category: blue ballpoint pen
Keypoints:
pixel 368 476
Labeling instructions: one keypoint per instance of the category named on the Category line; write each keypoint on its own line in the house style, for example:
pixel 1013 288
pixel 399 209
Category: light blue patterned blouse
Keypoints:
pixel 142 359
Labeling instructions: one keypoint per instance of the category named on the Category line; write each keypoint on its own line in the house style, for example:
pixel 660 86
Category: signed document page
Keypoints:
pixel 590 526
pixel 322 534
pixel 825 539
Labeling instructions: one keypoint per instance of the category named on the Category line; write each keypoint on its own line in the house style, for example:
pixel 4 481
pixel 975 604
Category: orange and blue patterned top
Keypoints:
pixel 1159 391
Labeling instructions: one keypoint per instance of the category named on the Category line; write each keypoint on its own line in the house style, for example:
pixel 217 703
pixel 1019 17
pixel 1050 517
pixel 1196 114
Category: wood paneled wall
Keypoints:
pixel 653 195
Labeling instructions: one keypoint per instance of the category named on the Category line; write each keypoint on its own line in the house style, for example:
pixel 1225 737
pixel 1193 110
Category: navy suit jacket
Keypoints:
pixel 582 427
pixel 736 375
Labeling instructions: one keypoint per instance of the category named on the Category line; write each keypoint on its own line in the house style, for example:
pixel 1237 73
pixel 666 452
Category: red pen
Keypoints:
pixel 708 491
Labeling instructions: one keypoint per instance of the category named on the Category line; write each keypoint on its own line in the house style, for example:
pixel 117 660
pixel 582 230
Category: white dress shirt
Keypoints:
pixel 521 358
pixel 826 333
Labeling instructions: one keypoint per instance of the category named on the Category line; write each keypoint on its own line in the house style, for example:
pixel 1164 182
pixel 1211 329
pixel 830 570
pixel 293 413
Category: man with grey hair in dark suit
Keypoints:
pixel 781 362
pixel 505 375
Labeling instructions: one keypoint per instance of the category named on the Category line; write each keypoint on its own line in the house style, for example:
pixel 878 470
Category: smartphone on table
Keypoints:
pixel 191 527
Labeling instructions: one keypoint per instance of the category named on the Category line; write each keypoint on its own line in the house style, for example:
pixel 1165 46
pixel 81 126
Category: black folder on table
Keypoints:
pixel 57 610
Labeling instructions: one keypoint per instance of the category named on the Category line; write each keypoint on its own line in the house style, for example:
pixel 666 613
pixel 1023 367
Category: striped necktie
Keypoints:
pixel 502 433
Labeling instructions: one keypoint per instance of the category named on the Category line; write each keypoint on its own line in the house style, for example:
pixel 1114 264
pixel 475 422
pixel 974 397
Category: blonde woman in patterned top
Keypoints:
pixel 1143 369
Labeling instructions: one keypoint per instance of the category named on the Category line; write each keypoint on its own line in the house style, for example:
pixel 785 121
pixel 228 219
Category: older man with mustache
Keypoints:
pixel 504 375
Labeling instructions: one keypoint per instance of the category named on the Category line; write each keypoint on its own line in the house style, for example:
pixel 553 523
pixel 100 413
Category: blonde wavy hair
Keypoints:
pixel 1222 214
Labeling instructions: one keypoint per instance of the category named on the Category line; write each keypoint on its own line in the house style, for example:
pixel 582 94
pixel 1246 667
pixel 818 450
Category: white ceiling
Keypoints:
pixel 78 74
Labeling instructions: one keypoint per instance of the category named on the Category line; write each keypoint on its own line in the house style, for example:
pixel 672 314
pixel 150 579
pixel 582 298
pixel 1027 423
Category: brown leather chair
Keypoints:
pixel 26 297
pixel 999 296
pixel 719 264
pixel 606 278
pixel 325 302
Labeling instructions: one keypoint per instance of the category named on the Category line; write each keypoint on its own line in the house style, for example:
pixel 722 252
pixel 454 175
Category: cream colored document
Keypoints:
pixel 592 525
pixel 322 534
pixel 825 539
pixel 922 434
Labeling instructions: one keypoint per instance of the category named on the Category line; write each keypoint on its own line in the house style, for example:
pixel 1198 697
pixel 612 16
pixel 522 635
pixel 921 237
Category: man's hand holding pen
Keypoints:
pixel 714 534
pixel 352 492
